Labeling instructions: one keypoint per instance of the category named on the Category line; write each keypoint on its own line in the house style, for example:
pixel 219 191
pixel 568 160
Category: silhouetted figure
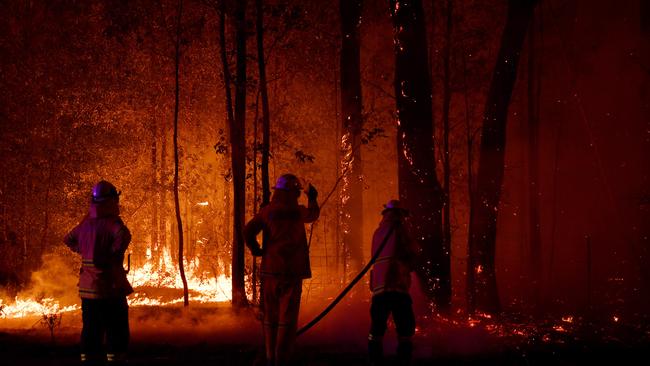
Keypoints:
pixel 102 238
pixel 390 281
pixel 285 262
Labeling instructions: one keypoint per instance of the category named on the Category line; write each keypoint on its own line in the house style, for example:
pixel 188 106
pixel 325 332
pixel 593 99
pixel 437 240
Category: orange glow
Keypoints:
pixel 29 307
pixel 204 288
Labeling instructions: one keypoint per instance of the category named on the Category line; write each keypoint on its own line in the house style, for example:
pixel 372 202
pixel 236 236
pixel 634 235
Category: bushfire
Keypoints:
pixel 150 281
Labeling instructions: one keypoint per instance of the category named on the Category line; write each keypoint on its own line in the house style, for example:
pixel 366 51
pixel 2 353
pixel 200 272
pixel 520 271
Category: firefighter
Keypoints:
pixel 102 238
pixel 390 281
pixel 285 262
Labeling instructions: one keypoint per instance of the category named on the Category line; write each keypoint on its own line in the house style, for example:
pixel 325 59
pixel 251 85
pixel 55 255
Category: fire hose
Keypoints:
pixel 352 283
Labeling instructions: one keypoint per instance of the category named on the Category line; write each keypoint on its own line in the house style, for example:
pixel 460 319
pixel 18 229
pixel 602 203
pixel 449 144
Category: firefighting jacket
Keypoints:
pixel 101 238
pixel 392 270
pixel 286 251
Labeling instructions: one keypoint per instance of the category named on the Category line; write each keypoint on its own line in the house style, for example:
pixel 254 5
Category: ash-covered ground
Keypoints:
pixel 217 335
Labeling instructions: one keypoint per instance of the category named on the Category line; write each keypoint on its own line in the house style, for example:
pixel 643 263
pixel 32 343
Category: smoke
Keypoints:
pixel 56 279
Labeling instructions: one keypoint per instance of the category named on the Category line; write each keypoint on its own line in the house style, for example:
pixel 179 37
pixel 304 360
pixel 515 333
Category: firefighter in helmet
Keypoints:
pixel 102 239
pixel 390 281
pixel 285 262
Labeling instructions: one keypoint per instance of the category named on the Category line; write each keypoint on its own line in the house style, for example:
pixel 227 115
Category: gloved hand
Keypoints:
pixel 257 251
pixel 312 193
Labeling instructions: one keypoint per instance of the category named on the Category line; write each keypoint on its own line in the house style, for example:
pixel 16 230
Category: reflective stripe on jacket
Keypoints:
pixel 102 239
pixel 286 251
pixel 392 270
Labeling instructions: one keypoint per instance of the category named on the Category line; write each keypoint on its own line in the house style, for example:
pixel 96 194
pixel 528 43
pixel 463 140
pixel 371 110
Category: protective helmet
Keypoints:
pixel 103 191
pixel 395 205
pixel 288 182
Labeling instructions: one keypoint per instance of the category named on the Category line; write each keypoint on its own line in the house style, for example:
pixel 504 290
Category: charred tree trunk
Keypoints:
pixel 229 110
pixel 419 188
pixel 266 124
pixel 46 219
pixel 534 225
pixel 469 141
pixel 351 106
pixel 155 229
pixel 644 202
pixel 179 221
pixel 238 148
pixel 446 224
pixel 266 115
pixel 483 294
pixel 163 188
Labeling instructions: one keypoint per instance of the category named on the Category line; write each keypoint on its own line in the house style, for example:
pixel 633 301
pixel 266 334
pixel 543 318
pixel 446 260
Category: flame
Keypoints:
pixel 161 273
pixel 21 308
pixel 204 287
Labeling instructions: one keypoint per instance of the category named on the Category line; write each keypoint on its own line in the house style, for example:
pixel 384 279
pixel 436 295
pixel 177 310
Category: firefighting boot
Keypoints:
pixel 404 351
pixel 375 350
pixel 88 359
pixel 116 359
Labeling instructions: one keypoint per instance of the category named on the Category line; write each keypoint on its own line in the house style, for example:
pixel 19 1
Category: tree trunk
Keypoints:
pixel 179 222
pixel 48 184
pixel 229 110
pixel 238 146
pixel 266 121
pixel 266 117
pixel 163 189
pixel 534 228
pixel 446 225
pixel 644 202
pixel 155 228
pixel 469 141
pixel 419 188
pixel 483 295
pixel 352 124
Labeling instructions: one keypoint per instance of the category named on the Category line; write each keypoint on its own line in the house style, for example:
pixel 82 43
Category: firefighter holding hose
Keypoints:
pixel 102 239
pixel 390 281
pixel 285 262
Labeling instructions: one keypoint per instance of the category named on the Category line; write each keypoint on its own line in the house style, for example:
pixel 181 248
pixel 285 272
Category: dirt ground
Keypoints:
pixel 217 336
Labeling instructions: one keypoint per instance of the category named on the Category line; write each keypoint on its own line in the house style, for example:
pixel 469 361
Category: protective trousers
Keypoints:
pixel 400 306
pixel 104 318
pixel 281 305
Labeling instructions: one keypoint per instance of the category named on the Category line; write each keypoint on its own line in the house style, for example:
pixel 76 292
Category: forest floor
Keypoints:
pixel 215 335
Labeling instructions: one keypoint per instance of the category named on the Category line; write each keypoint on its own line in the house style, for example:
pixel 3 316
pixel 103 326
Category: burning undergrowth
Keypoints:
pixel 52 290
pixel 158 317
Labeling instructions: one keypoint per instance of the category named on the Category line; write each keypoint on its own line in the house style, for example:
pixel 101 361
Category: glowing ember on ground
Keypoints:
pixel 567 319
